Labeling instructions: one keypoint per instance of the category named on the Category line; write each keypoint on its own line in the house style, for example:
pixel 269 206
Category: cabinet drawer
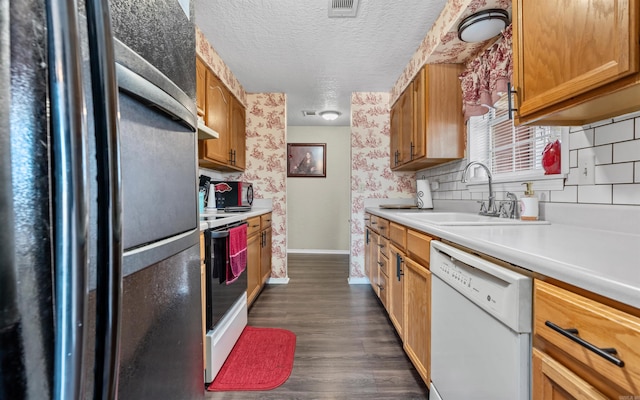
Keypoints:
pixel 600 325
pixel 398 235
pixel 265 221
pixel 418 246
pixel 383 227
pixel 253 226
pixel 383 292
pixel 383 264
pixel 383 246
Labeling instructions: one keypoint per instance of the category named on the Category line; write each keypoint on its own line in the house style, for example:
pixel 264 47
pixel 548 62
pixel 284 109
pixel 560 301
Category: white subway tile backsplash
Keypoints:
pixel 600 194
pixel 626 151
pixel 635 114
pixel 581 139
pixel 612 133
pixel 614 173
pixel 601 123
pixel 614 147
pixel 568 195
pixel 573 158
pixel 603 154
pixel 626 194
pixel 573 178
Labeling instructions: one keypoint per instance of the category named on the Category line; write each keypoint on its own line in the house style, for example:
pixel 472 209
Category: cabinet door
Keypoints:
pixel 417 316
pixel 419 133
pixel 406 125
pixel 396 289
pixel 367 252
pixel 238 134
pixel 444 121
pixel 253 267
pixel 551 380
pixel 216 118
pixel 201 86
pixel 265 255
pixel 373 266
pixel 565 48
pixel 395 122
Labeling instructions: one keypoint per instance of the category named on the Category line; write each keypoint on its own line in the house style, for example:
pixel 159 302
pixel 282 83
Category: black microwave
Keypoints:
pixel 232 193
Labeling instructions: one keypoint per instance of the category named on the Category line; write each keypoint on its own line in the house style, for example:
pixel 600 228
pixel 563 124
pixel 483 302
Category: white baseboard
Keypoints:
pixel 278 281
pixel 359 281
pixel 317 251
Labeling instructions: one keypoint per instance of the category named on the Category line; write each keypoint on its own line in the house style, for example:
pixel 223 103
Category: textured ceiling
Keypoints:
pixel 293 47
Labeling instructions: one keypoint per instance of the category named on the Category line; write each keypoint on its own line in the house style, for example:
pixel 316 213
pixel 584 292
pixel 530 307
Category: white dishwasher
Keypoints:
pixel 480 328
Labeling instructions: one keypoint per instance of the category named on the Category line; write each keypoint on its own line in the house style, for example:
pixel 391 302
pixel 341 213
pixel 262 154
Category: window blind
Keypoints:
pixel 505 148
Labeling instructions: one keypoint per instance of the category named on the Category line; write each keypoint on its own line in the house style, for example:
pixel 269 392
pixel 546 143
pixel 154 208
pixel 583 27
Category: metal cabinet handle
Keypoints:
pixel 510 91
pixel 572 334
pixel 399 261
pixel 380 263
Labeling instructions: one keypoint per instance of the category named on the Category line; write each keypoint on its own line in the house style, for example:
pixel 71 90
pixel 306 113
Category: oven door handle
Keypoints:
pixel 219 234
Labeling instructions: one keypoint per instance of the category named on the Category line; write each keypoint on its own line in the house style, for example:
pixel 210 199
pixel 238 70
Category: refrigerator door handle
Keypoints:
pixel 109 231
pixel 70 200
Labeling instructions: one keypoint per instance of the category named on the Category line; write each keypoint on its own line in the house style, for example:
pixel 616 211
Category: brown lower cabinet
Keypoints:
pixel 417 316
pixel 258 254
pixel 563 368
pixel 397 263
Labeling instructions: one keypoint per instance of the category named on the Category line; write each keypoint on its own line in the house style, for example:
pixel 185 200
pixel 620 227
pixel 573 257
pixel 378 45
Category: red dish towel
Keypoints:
pixel 237 252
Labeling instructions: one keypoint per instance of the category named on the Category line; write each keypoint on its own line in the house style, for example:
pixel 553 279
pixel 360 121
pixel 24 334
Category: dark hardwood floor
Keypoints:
pixel 346 347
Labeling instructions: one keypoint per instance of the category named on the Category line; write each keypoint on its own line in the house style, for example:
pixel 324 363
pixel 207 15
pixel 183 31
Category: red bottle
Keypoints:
pixel 551 158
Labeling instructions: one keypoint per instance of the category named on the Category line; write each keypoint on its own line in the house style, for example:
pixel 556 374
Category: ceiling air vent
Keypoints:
pixel 343 8
pixel 306 113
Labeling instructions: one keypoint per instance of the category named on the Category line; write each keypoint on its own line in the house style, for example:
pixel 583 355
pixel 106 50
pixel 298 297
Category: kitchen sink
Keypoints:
pixel 458 218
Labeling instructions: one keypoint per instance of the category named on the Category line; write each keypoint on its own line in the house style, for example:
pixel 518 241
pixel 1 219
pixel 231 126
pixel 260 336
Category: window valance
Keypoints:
pixel 485 77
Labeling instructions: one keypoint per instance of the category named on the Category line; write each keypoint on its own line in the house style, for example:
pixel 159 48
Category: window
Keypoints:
pixel 510 152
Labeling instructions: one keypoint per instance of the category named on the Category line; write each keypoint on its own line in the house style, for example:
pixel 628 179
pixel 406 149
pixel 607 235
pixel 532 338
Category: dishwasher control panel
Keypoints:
pixel 503 293
pixel 482 287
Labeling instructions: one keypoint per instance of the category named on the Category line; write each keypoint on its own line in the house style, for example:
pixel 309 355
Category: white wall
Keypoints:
pixel 318 209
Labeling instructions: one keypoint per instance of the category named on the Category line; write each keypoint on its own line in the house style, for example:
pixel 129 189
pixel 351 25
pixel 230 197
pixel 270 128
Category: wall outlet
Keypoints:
pixel 586 168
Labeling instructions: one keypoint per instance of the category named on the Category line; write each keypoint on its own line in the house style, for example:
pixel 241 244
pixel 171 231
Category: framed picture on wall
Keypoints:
pixel 307 160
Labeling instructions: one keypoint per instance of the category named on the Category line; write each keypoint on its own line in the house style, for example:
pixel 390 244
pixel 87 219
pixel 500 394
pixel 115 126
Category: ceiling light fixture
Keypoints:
pixel 330 115
pixel 483 25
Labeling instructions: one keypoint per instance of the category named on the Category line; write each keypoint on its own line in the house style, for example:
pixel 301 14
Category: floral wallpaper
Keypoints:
pixel 441 45
pixel 371 175
pixel 213 60
pixel 267 166
pixel 266 150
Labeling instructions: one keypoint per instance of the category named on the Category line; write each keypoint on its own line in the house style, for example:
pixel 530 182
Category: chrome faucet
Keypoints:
pixel 491 207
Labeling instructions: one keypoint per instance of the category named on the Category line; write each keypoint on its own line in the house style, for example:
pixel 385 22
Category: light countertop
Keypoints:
pixel 600 261
pixel 215 219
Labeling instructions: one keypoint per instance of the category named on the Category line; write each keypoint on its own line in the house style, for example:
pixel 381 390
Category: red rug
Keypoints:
pixel 262 359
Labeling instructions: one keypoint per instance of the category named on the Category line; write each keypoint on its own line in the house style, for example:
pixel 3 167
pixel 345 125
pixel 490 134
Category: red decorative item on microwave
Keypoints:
pixel 551 158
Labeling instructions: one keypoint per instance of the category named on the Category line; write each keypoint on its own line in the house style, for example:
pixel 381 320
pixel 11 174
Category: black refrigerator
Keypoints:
pixel 99 239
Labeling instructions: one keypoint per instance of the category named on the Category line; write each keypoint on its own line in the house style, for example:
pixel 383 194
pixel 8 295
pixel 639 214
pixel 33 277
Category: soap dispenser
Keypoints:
pixel 529 204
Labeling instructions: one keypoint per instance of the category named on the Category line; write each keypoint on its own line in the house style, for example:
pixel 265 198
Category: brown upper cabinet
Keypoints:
pixel 427 125
pixel 224 114
pixel 575 63
pixel 201 84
